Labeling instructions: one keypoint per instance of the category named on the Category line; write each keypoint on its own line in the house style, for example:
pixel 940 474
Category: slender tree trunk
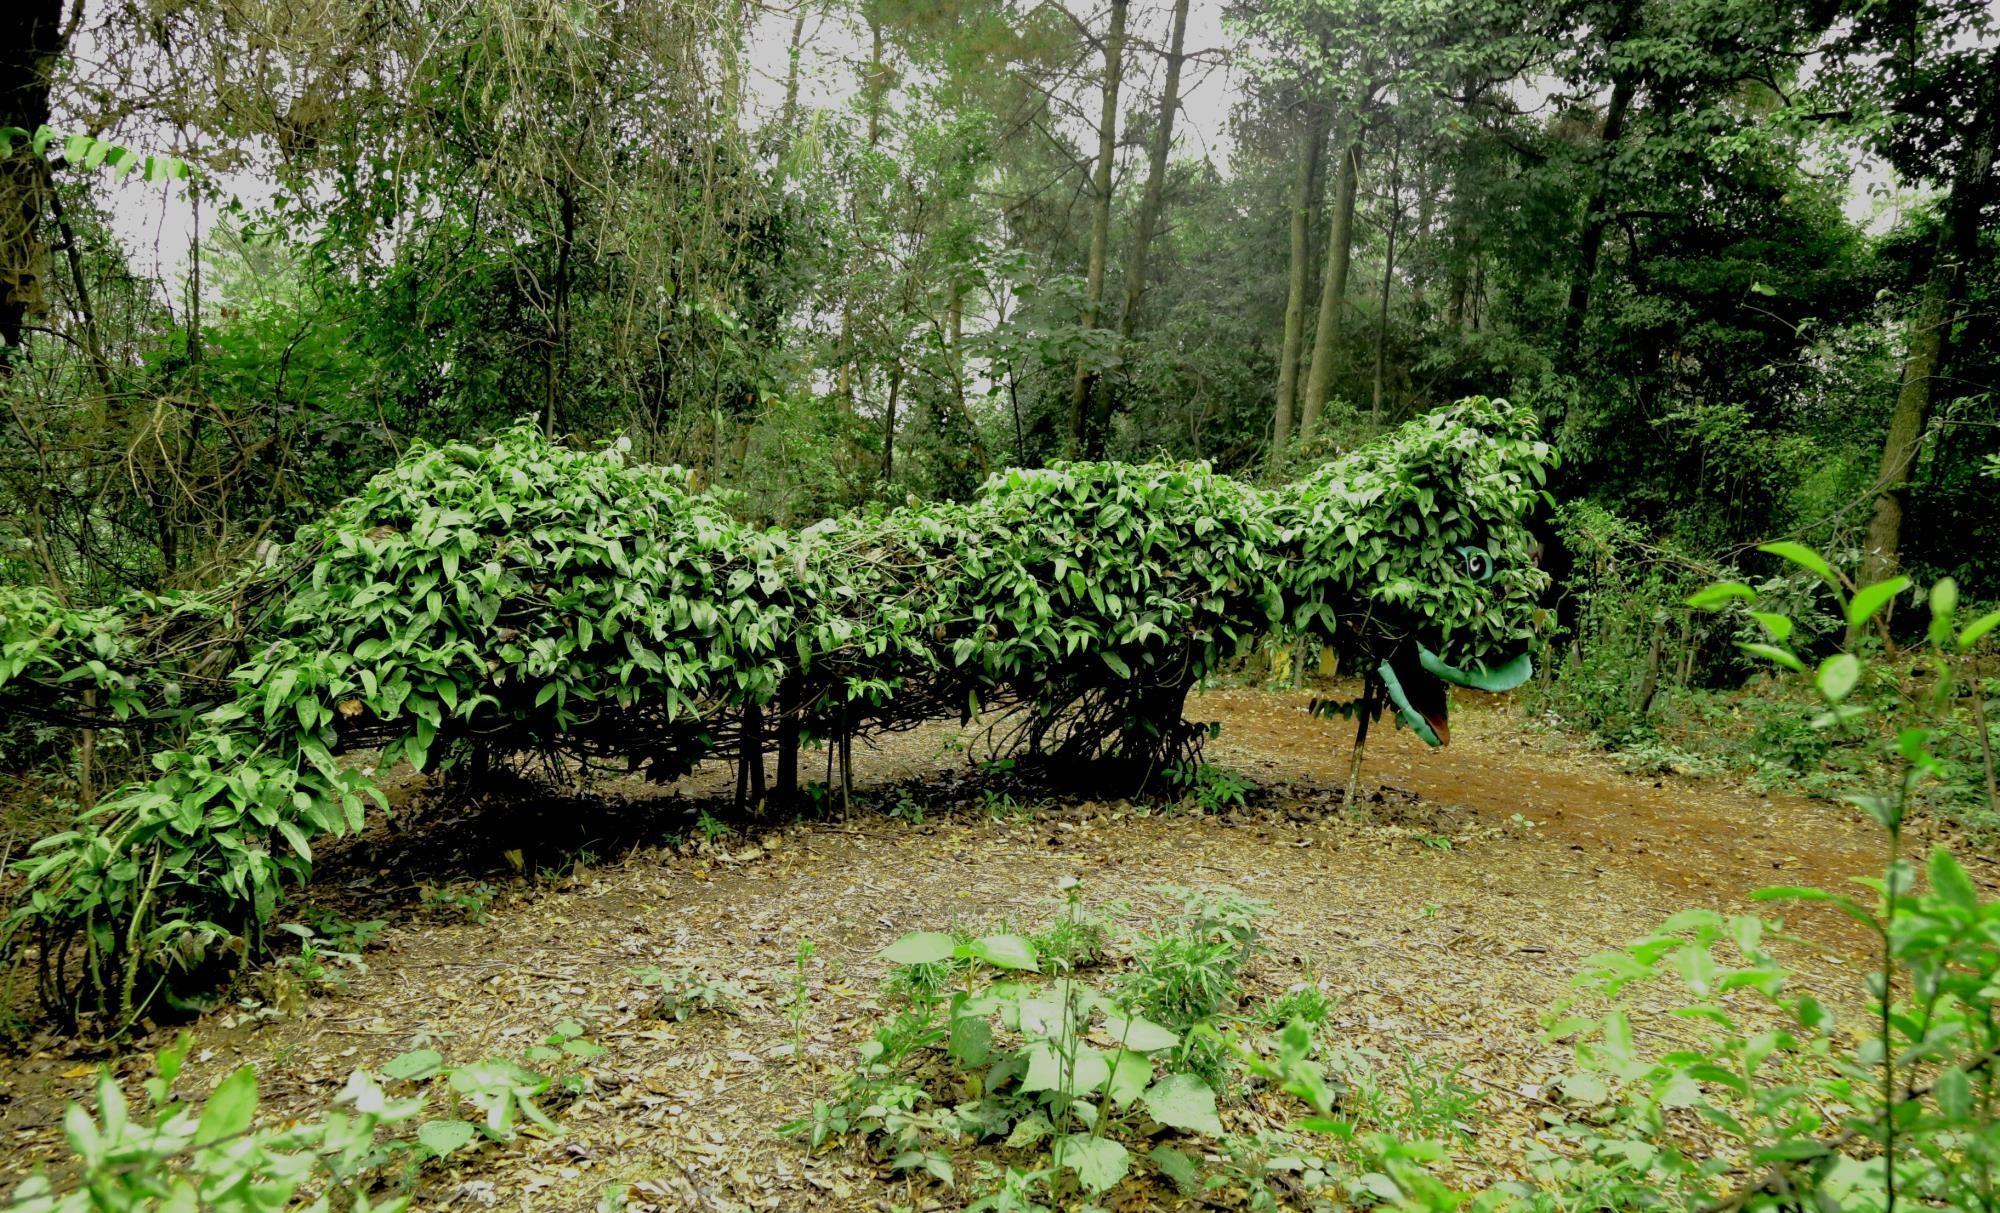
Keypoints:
pixel 1417 255
pixel 1371 695
pixel 1459 277
pixel 785 788
pixel 877 87
pixel 559 312
pixel 791 111
pixel 1100 222
pixel 955 333
pixel 1305 175
pixel 889 423
pixel 32 38
pixel 1149 212
pixel 1596 217
pixel 86 313
pixel 732 68
pixel 874 86
pixel 1333 287
pixel 1924 360
pixel 1388 277
pixel 1382 315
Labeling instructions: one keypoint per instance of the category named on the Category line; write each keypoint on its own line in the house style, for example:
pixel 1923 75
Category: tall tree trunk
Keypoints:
pixel 1305 175
pixel 1149 211
pixel 1388 276
pixel 1100 221
pixel 877 86
pixel 791 111
pixel 1333 287
pixel 1596 217
pixel 1458 240
pixel 558 357
pixel 1417 254
pixel 731 52
pixel 955 334
pixel 1924 360
pixel 32 38
pixel 889 423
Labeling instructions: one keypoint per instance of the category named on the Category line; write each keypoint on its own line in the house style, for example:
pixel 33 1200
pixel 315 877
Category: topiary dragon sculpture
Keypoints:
pixel 524 597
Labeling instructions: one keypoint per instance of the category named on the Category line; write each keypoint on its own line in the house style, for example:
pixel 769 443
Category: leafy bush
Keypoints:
pixel 1030 1039
pixel 1807 1117
pixel 525 597
pixel 210 1155
pixel 1424 534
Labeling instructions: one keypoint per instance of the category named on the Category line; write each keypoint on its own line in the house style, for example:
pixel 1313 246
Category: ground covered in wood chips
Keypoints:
pixel 1444 919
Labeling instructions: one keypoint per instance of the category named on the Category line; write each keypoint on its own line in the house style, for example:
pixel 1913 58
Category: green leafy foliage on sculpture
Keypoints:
pixel 481 601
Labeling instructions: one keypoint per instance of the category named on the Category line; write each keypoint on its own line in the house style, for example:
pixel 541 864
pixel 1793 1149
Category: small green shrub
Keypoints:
pixel 209 1154
pixel 685 993
pixel 1210 788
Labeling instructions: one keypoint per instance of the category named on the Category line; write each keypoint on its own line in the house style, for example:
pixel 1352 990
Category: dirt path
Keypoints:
pixel 1711 843
pixel 1438 922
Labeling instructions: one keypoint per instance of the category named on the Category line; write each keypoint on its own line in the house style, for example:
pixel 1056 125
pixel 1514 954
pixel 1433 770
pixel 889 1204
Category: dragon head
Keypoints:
pixel 1414 557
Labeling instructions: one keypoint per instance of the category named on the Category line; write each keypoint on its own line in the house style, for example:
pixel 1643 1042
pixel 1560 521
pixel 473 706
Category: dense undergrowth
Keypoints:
pixel 478 603
pixel 1669 688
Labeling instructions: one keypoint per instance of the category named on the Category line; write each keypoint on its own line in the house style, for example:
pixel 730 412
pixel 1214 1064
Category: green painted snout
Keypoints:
pixel 1419 693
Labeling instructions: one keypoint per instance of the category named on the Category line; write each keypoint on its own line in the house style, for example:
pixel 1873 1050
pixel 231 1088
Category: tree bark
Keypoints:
pixel 1333 287
pixel 955 334
pixel 1590 239
pixel 1149 210
pixel 1924 360
pixel 1082 383
pixel 1388 277
pixel 1306 173
pixel 791 110
pixel 1458 239
pixel 557 367
pixel 889 423
pixel 32 38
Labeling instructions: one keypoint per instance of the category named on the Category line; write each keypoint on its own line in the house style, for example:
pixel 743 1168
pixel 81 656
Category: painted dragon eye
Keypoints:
pixel 1478 565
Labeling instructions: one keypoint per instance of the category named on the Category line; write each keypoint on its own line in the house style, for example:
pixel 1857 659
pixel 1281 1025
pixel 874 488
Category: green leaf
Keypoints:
pixel 1771 652
pixel 1950 883
pixel 1837 676
pixel 1139 1034
pixel 1032 1128
pixel 1098 1162
pixel 297 838
pixel 443 1137
pixel 1872 598
pixel 230 1109
pixel 1977 629
pixel 1177 1167
pixel 920 948
pixel 1794 1150
pixel 1130 1075
pixel 1944 605
pixel 1779 626
pixel 1006 952
pixel 415 1065
pixel 1116 663
pixel 1838 715
pixel 1801 555
pixel 1182 1101
pixel 971 1040
pixel 1954 1094
pixel 1719 595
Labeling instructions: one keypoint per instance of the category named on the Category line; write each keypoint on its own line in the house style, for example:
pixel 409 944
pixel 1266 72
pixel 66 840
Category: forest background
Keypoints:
pixel 1739 256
